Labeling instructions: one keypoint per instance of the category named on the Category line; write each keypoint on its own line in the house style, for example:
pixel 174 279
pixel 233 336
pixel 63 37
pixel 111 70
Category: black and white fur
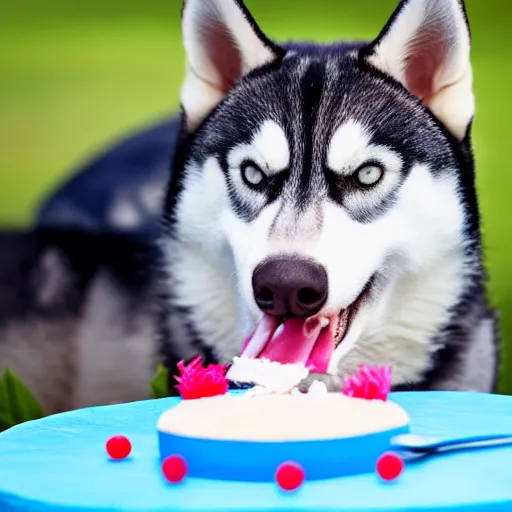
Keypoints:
pixel 310 116
pixel 77 316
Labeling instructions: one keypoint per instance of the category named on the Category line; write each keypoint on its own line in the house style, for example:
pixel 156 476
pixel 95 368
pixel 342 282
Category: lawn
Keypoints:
pixel 75 76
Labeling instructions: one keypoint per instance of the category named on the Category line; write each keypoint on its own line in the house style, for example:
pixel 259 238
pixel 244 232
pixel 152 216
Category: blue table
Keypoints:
pixel 59 464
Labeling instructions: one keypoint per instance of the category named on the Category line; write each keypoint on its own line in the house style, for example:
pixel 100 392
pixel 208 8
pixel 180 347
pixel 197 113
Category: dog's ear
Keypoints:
pixel 222 44
pixel 426 47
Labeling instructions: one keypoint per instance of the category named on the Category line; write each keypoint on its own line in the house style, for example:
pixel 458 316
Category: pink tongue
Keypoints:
pixel 296 341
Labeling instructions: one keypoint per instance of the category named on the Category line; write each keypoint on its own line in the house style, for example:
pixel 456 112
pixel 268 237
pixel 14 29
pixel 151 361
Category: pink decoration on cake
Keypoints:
pixel 174 469
pixel 118 447
pixel 390 466
pixel 290 476
pixel 370 382
pixel 195 381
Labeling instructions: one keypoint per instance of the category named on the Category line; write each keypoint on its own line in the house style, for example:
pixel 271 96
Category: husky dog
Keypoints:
pixel 322 206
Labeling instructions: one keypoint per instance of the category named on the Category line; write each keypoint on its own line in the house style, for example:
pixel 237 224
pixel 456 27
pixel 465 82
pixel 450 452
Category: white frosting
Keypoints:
pixel 277 417
pixel 274 377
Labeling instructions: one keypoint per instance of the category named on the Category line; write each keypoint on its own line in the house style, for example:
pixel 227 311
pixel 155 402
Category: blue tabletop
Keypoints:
pixel 59 464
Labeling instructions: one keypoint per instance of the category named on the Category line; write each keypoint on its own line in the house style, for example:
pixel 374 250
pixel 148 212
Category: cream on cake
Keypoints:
pixel 276 417
pixel 271 375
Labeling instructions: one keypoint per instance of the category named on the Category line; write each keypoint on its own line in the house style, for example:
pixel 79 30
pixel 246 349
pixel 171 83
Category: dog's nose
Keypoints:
pixel 290 287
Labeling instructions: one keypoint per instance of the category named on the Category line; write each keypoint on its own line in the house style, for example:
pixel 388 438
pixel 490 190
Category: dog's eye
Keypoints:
pixel 369 175
pixel 252 174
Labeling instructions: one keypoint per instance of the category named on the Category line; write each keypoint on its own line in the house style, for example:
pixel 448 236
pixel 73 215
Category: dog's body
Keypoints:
pixel 321 207
pixel 77 316
pixel 120 190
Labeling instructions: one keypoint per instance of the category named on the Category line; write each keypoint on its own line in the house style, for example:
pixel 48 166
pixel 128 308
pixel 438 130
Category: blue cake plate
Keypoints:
pixel 258 461
pixel 59 464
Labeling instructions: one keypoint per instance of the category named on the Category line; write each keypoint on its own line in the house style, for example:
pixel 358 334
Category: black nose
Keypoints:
pixel 290 287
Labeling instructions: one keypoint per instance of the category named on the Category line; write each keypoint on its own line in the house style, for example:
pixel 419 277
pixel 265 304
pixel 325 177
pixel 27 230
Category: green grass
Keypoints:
pixel 76 75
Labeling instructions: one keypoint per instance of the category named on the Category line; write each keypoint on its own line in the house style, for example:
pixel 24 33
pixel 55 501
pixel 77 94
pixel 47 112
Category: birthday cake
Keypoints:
pixel 273 429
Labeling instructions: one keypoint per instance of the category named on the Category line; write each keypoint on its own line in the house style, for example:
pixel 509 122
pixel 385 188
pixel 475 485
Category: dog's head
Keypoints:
pixel 309 177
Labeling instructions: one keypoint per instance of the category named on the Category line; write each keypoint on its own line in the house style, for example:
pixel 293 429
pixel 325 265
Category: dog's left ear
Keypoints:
pixel 426 47
pixel 222 44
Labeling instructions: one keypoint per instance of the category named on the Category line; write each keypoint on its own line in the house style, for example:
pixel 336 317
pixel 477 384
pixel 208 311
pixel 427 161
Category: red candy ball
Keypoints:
pixel 119 447
pixel 290 476
pixel 174 468
pixel 390 466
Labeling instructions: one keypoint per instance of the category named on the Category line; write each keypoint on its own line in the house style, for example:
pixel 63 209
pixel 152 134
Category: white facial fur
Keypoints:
pixel 218 253
pixel 349 149
pixel 347 145
pixel 207 282
pixel 268 149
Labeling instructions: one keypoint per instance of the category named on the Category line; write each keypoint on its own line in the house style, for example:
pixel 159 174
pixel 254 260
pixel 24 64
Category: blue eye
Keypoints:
pixel 369 175
pixel 252 174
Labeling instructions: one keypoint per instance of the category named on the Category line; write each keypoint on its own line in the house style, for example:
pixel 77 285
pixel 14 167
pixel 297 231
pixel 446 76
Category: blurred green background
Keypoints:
pixel 76 75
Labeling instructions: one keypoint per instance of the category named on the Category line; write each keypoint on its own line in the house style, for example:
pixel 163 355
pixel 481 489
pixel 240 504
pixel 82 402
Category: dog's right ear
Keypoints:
pixel 222 44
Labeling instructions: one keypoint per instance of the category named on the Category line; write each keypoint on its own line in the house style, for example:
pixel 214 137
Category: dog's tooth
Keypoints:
pixel 324 321
pixel 279 330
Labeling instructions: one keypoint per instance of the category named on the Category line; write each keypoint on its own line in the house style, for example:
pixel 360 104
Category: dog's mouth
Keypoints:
pixel 310 342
